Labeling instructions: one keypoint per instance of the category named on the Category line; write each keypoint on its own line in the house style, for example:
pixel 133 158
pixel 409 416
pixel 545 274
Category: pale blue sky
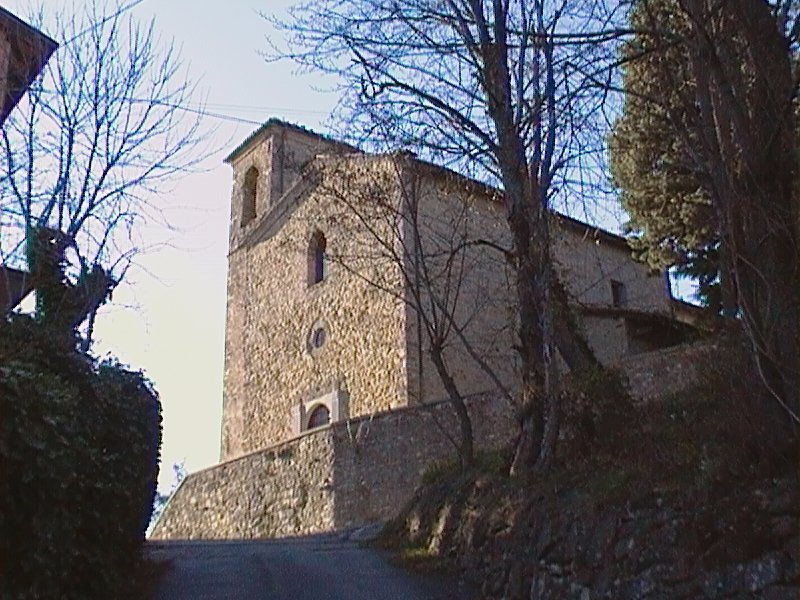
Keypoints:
pixel 170 320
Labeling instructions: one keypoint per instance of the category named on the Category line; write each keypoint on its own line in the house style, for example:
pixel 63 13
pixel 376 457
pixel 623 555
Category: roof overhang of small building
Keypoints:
pixel 29 49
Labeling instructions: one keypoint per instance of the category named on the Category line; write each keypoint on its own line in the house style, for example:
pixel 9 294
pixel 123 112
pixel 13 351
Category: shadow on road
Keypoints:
pixel 319 567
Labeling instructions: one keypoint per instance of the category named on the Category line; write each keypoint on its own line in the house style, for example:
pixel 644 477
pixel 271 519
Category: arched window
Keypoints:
pixel 316 258
pixel 319 416
pixel 249 195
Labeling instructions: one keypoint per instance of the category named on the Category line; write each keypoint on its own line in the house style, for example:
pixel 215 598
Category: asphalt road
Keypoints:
pixel 320 567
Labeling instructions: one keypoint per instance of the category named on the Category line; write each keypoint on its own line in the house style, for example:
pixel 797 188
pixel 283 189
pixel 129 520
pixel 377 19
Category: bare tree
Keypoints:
pixel 92 148
pixel 504 89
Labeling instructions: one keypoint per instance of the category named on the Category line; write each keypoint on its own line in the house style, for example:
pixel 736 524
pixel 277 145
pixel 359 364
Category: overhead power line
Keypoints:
pixel 94 26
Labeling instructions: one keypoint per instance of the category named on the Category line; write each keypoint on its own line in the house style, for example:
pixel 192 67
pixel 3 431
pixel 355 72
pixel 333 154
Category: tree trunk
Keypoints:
pixel 527 221
pixel 525 186
pixel 568 339
pixel 466 449
pixel 751 148
pixel 766 267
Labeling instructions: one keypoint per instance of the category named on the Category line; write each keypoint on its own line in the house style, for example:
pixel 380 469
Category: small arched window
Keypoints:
pixel 316 258
pixel 249 195
pixel 319 416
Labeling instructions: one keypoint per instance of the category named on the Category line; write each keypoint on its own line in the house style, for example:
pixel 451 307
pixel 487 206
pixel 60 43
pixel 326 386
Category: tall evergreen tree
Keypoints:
pixel 664 193
pixel 706 154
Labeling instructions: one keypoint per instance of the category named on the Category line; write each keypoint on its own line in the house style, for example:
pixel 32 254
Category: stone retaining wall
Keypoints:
pixel 379 463
pixel 284 490
pixel 343 475
pixel 662 373
pixel 739 541
pixel 364 470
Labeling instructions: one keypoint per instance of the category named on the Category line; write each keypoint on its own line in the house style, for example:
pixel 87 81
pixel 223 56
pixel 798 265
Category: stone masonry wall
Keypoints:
pixel 654 375
pixel 365 469
pixel 375 351
pixel 457 266
pixel 588 262
pixel 380 462
pixel 344 475
pixel 285 490
pixel 455 213
pixel 273 309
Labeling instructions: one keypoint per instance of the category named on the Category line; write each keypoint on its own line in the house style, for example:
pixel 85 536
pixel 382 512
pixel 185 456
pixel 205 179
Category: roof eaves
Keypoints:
pixel 598 232
pixel 490 190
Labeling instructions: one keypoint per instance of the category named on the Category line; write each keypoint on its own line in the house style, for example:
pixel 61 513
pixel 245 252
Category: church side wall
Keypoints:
pixel 588 263
pixel 452 213
pixel 468 276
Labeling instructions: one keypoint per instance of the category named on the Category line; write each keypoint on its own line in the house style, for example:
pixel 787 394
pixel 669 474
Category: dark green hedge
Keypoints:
pixel 79 449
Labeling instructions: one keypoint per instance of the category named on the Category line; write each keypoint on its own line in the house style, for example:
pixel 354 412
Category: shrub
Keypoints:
pixel 79 445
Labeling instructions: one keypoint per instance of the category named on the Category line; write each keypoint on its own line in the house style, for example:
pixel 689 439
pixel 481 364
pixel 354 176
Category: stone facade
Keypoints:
pixel 407 246
pixel 343 267
pixel 594 263
pixel 273 373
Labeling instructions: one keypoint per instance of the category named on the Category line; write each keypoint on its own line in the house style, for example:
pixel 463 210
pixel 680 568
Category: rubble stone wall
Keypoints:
pixel 285 490
pixel 380 463
pixel 661 373
pixel 276 361
pixel 348 474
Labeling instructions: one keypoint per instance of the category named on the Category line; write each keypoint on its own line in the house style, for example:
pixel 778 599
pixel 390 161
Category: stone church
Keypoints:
pixel 344 268
pixel 311 340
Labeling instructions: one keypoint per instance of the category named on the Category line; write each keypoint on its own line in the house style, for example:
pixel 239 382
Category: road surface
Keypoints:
pixel 319 567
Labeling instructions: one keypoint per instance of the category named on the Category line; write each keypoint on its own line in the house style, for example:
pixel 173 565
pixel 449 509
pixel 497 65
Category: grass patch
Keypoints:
pixel 421 560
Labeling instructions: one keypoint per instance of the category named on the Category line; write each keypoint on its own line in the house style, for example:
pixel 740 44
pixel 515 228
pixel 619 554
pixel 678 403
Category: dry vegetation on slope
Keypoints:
pixel 695 496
